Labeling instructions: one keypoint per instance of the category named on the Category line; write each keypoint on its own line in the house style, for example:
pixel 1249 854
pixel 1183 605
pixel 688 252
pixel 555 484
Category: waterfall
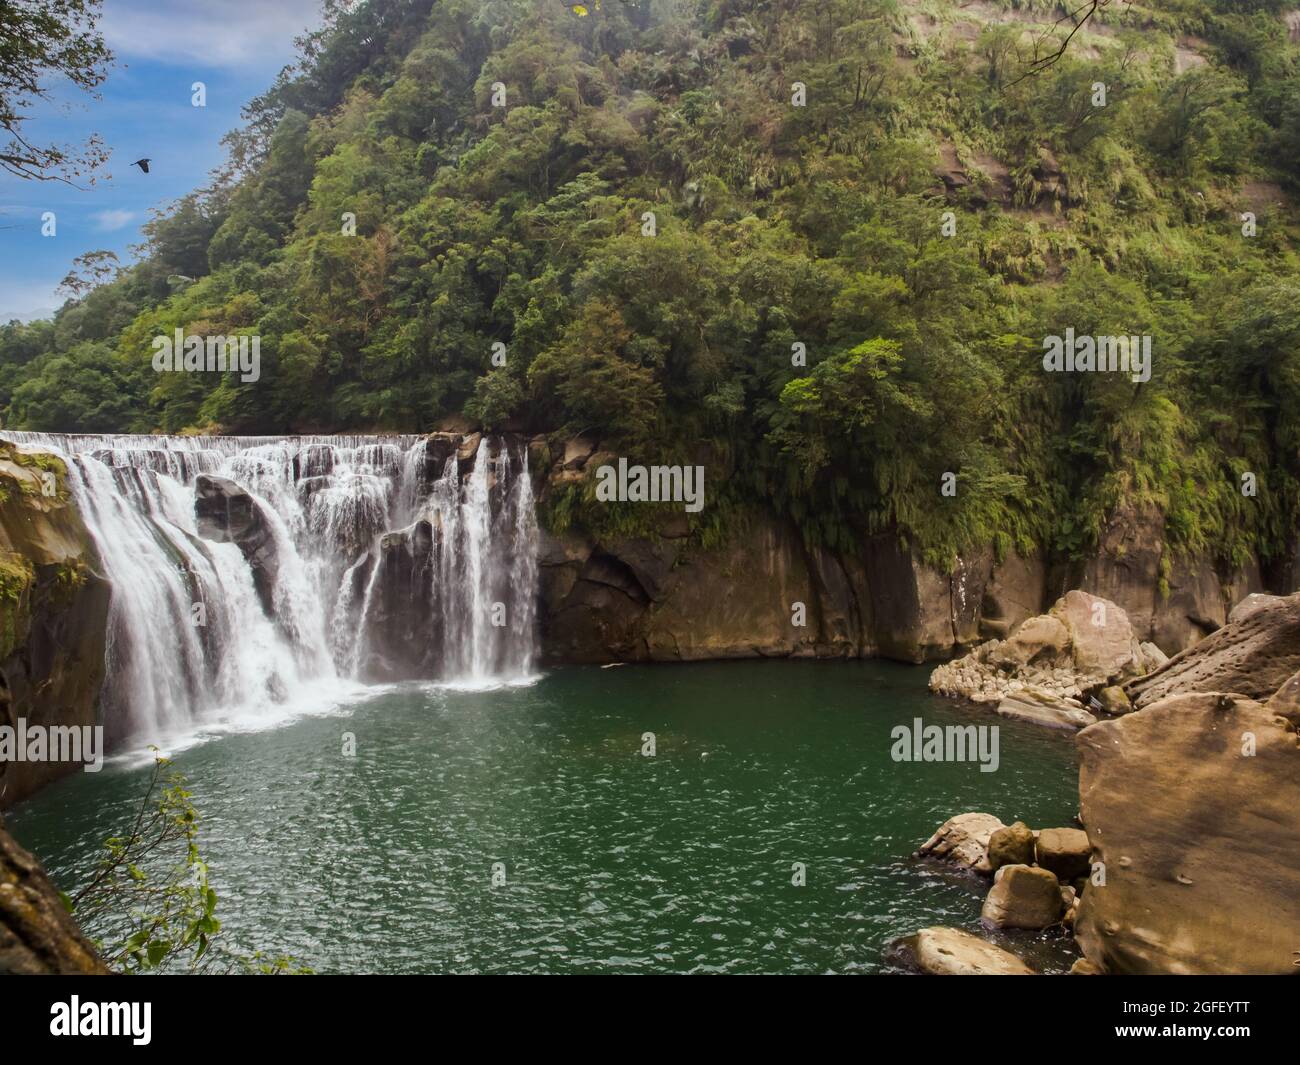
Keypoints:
pixel 253 572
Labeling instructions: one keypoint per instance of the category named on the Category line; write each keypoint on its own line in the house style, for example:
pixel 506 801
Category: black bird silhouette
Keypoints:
pixel 143 164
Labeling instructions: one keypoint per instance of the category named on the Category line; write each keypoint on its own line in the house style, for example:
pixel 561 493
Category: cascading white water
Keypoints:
pixel 315 563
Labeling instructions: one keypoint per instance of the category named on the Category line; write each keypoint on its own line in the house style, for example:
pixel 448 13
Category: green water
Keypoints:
pixel 614 862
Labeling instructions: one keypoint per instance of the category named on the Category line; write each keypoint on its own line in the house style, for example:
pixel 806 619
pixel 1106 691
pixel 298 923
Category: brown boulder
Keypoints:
pixel 1198 838
pixel 1065 851
pixel 1023 896
pixel 963 839
pixel 1100 635
pixel 1013 845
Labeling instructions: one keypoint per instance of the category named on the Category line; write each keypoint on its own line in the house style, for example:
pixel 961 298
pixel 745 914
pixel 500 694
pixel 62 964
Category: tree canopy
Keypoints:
pixel 654 228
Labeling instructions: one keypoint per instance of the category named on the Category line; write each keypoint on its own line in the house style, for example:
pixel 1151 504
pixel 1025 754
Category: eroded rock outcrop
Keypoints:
pixel 403 630
pixel 1039 707
pixel 1255 654
pixel 1041 670
pixel 1192 805
pixel 53 612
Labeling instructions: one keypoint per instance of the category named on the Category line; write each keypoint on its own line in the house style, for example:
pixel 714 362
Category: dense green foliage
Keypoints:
pixel 774 225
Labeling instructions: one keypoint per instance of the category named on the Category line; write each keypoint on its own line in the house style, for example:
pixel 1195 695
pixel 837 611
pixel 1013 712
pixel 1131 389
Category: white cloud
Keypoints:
pixel 107 221
pixel 220 33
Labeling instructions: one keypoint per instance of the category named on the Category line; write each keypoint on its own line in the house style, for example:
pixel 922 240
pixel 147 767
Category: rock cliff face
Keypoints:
pixel 663 599
pixel 53 612
pixel 1172 602
pixel 761 595
pixel 37 935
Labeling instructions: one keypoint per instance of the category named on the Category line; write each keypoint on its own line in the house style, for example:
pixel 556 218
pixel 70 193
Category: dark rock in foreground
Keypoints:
pixel 37 935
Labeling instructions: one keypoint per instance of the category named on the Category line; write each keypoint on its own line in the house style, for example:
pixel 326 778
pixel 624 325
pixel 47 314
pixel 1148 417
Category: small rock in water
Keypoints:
pixel 1065 851
pixel 963 839
pixel 953 952
pixel 1023 896
pixel 1041 707
pixel 1013 845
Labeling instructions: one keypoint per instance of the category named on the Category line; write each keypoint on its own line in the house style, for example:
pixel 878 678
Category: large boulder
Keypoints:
pixel 964 840
pixel 953 952
pixel 1197 836
pixel 1023 896
pixel 1254 654
pixel 224 512
pixel 1101 638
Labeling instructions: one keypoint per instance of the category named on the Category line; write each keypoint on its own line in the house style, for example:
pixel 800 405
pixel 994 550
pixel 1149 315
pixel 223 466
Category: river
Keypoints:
pixel 613 861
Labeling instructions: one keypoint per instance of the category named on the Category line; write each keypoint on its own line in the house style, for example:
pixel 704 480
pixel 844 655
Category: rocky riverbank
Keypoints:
pixel 1190 810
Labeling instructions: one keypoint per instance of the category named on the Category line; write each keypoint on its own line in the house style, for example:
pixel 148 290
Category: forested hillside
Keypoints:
pixel 775 225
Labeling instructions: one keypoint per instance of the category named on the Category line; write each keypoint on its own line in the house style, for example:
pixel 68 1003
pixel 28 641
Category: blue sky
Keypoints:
pixel 235 47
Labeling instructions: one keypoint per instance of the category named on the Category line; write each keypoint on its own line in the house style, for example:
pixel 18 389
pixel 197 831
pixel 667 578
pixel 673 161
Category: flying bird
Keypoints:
pixel 143 164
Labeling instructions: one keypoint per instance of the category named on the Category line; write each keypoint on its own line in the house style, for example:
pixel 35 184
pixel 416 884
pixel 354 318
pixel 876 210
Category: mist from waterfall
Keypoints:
pixel 377 559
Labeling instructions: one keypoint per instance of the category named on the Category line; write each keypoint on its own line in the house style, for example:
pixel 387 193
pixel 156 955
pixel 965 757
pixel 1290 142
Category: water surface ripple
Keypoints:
pixel 614 862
